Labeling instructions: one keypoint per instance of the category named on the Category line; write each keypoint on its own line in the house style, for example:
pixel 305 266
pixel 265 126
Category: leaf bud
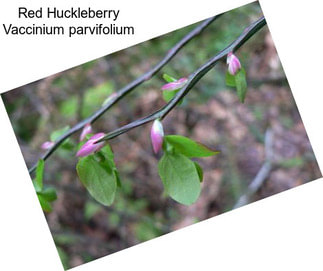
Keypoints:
pixel 157 135
pixel 175 85
pixel 86 130
pixel 233 63
pixel 90 146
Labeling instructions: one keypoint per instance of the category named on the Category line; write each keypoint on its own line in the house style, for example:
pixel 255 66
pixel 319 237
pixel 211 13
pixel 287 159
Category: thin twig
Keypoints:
pixel 128 88
pixel 192 80
pixel 262 174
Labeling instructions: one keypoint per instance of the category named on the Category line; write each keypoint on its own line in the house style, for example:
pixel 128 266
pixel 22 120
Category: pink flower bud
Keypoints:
pixel 47 145
pixel 234 63
pixel 90 146
pixel 86 130
pixel 175 85
pixel 157 135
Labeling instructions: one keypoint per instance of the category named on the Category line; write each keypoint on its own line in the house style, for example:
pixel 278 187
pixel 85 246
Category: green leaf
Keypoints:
pixel 117 176
pixel 199 171
pixel 169 78
pixel 169 94
pixel 189 147
pixel 168 147
pixel 180 178
pixel 239 81
pixel 58 133
pixel 108 153
pixel 229 79
pixel 241 84
pixel 109 156
pixel 98 178
pixel 63 256
pixel 49 194
pixel 38 181
pixel 45 205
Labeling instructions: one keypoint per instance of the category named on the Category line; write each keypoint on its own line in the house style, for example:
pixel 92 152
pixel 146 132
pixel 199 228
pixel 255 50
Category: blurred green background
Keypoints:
pixel 84 230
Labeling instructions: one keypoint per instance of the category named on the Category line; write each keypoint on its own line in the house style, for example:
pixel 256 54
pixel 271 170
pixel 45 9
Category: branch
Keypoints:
pixel 192 80
pixel 128 88
pixel 262 173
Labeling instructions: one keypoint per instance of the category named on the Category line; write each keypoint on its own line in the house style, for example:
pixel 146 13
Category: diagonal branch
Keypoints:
pixel 193 79
pixel 128 88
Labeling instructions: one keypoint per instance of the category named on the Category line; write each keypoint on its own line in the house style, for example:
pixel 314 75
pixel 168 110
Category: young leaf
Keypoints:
pixel 108 153
pixel 241 84
pixel 109 156
pixel 239 81
pixel 169 78
pixel 117 176
pixel 199 171
pixel 189 147
pixel 45 205
pixel 230 80
pixel 38 181
pixel 168 95
pixel 98 178
pixel 49 194
pixel 180 178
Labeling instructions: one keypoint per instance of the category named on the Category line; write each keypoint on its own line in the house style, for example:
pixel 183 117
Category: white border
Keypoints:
pixel 283 232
